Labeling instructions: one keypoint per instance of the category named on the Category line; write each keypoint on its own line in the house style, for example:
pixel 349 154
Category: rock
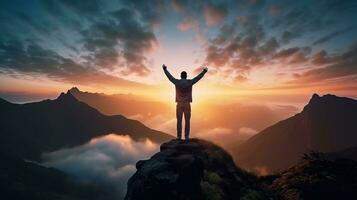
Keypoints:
pixel 194 170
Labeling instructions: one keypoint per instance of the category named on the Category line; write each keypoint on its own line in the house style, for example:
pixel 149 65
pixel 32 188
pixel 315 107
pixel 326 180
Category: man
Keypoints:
pixel 183 99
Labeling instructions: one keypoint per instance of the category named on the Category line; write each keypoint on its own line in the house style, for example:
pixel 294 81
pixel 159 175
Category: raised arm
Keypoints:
pixel 199 76
pixel 169 76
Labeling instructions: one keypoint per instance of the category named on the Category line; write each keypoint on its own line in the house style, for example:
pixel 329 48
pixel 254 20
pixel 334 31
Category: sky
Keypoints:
pixel 251 47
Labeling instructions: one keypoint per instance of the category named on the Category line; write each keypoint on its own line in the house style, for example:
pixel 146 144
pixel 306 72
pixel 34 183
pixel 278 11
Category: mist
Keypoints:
pixel 108 161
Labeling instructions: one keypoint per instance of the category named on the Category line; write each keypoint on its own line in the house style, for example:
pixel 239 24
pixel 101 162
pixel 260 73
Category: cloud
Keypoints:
pixel 278 37
pixel 77 41
pixel 108 161
pixel 219 131
pixel 247 131
pixel 321 58
pixel 114 39
pixel 214 13
pixel 340 66
pixel 240 46
pixel 150 11
pixel 295 55
pixel 287 36
pixel 17 57
pixel 275 10
pixel 80 7
pixel 186 24
pixel 240 78
pixel 121 36
pixel 332 35
pixel 298 22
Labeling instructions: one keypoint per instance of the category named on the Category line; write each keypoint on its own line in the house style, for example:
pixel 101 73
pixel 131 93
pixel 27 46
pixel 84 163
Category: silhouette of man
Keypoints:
pixel 183 99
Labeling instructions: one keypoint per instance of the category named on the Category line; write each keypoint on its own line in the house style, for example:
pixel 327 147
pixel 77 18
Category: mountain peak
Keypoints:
pixel 74 90
pixel 326 100
pixel 314 99
pixel 315 96
pixel 67 97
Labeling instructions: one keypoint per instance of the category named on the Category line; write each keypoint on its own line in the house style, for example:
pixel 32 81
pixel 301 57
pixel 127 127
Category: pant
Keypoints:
pixel 183 109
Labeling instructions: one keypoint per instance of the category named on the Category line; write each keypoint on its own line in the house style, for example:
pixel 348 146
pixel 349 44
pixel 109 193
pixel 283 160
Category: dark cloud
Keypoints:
pixel 286 52
pixel 123 36
pixel 240 46
pixel 269 47
pixel 256 40
pixel 332 35
pixel 321 58
pixel 82 7
pixel 287 36
pixel 226 33
pixel 78 41
pixel 30 58
pixel 299 21
pixel 340 6
pixel 294 55
pixel 108 161
pixel 149 11
pixel 341 66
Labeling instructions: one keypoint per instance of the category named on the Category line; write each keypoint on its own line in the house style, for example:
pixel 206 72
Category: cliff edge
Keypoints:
pixel 194 170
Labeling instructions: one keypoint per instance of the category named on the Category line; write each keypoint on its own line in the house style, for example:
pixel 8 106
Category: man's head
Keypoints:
pixel 183 75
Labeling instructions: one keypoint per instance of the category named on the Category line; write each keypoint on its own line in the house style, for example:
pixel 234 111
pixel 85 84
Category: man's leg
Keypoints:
pixel 179 112
pixel 187 113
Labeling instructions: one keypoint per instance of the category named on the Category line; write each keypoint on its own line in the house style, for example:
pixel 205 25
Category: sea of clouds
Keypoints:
pixel 108 161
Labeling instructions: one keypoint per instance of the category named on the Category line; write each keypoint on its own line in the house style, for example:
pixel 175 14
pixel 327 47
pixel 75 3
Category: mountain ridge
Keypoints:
pixel 49 125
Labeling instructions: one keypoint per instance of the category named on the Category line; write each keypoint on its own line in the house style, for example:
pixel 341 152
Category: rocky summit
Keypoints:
pixel 192 170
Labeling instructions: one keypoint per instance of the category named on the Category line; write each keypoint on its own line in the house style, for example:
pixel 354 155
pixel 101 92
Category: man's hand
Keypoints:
pixel 164 66
pixel 205 69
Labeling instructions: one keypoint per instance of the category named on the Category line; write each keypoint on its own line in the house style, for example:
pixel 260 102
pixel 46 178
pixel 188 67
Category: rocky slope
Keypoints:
pixel 201 170
pixel 194 170
pixel 316 177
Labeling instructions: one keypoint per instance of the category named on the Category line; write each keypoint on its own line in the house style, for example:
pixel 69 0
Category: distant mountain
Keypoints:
pixel 128 105
pixel 326 124
pixel 28 130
